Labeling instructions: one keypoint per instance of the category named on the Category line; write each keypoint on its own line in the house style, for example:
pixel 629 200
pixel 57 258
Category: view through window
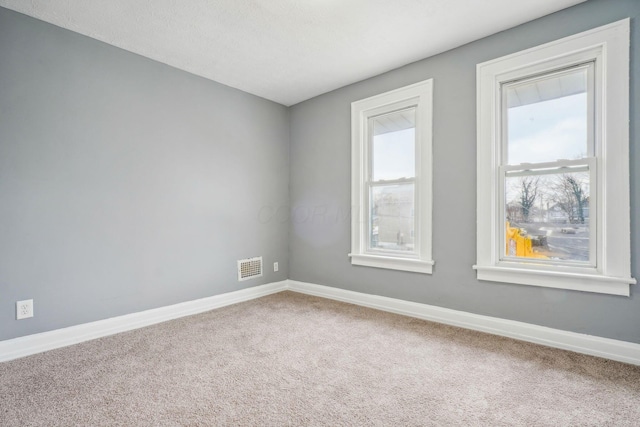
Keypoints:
pixel 392 184
pixel 548 167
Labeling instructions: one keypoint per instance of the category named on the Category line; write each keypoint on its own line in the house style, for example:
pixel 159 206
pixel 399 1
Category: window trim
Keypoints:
pixel 418 95
pixel 608 47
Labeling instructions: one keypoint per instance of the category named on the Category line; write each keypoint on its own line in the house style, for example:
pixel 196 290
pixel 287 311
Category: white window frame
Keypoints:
pixel 419 96
pixel 608 48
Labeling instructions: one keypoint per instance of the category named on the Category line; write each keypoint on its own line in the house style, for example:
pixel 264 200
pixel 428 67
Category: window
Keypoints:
pixel 553 164
pixel 391 179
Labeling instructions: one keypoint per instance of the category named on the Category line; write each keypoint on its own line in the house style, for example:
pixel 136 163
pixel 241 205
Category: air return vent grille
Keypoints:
pixel 249 268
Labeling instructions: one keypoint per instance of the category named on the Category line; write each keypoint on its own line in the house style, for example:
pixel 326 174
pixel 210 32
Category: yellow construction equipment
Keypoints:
pixel 519 245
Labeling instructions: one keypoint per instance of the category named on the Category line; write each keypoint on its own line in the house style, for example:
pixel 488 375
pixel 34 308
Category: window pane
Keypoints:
pixel 392 217
pixel 547 216
pixel 393 145
pixel 547 118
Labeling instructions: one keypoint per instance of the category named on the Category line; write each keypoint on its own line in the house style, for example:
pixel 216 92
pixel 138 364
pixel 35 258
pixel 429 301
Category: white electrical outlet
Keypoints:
pixel 24 309
pixel 275 266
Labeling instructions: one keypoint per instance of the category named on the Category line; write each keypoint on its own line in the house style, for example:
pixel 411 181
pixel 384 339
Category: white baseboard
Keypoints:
pixel 621 351
pixel 580 343
pixel 37 343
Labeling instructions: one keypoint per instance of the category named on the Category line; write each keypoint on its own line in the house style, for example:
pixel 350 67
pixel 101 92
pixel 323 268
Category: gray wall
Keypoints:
pixel 320 189
pixel 126 184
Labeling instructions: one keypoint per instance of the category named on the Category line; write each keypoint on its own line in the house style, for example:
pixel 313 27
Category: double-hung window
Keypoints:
pixel 391 179
pixel 553 159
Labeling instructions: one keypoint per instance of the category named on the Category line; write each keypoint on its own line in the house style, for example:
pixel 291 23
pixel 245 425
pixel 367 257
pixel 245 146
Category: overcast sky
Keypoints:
pixel 549 130
pixel 393 155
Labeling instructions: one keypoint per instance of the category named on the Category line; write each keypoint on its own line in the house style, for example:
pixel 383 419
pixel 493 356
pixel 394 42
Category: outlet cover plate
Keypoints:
pixel 24 309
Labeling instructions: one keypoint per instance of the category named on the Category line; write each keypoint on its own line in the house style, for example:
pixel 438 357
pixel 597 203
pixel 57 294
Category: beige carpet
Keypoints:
pixel 291 359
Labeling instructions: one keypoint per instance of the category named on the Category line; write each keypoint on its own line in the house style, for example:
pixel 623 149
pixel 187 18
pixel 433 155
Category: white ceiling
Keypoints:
pixel 287 50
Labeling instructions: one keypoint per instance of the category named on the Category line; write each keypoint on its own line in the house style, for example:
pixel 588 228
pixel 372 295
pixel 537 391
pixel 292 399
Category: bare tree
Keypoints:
pixel 572 196
pixel 529 187
pixel 579 194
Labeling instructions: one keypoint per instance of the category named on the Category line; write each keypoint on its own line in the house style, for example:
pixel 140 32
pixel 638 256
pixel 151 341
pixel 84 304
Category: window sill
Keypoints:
pixel 393 263
pixel 556 279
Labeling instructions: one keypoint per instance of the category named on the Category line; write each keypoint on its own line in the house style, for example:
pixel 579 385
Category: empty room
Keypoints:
pixel 319 213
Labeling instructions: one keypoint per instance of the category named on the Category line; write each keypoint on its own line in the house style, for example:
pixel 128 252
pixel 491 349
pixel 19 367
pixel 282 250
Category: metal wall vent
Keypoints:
pixel 249 268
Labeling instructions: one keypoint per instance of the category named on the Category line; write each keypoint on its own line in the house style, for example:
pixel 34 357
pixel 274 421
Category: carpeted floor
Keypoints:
pixel 291 359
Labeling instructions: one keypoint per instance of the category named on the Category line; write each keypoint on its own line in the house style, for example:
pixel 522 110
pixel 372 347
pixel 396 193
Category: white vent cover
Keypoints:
pixel 249 268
